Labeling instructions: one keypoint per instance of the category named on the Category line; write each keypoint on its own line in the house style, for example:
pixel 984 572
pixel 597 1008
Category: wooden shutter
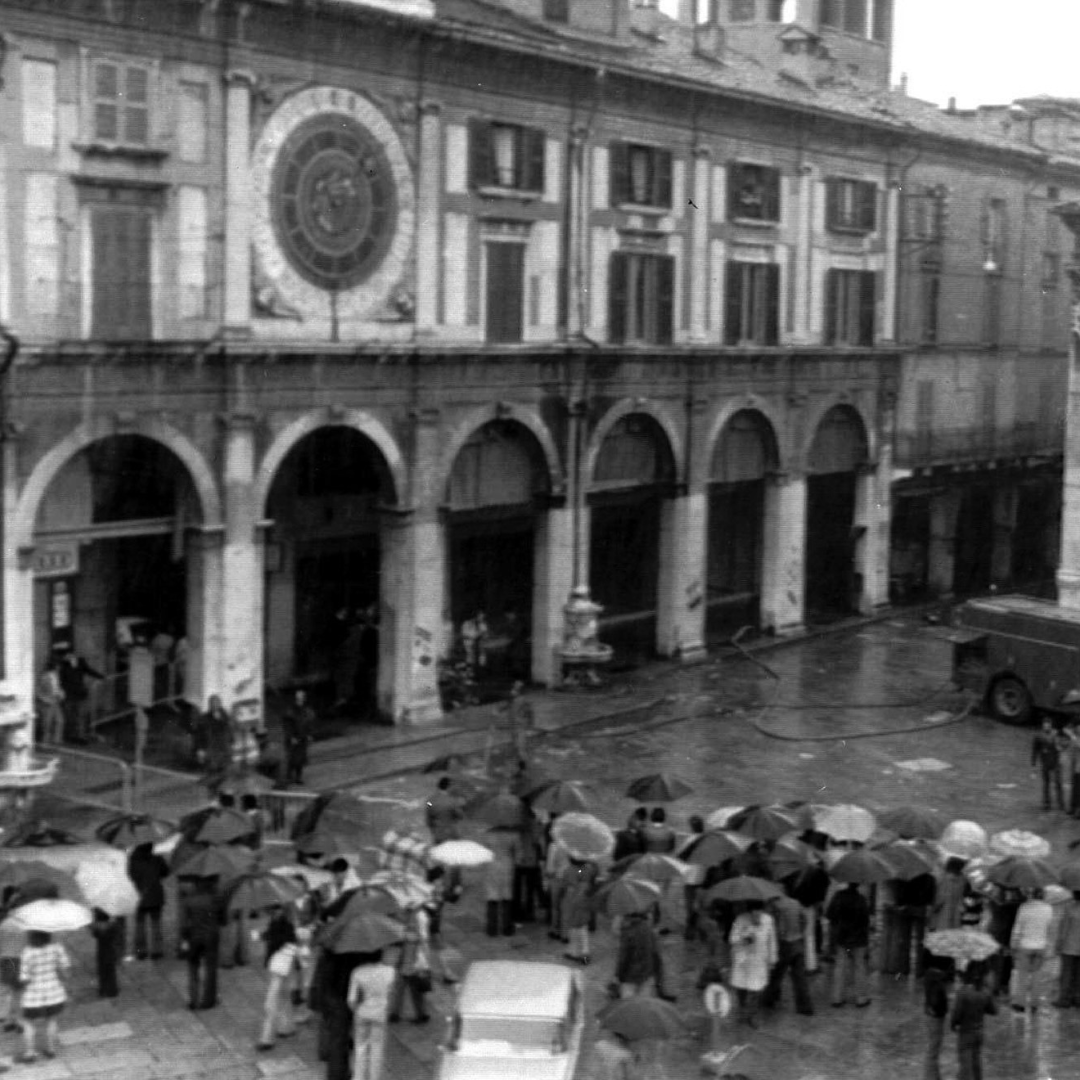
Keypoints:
pixel 867 306
pixel 832 203
pixel 734 185
pixel 665 298
pixel 505 292
pixel 733 302
pixel 662 178
pixel 535 144
pixel 771 297
pixel 770 195
pixel 617 297
pixel 832 305
pixel 121 273
pixel 619 165
pixel 867 206
pixel 480 170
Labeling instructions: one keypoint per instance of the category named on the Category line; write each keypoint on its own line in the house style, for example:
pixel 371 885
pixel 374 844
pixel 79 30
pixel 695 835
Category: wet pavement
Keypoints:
pixel 864 716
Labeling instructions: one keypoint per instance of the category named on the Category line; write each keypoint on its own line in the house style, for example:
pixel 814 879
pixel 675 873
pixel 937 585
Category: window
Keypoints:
pixel 930 306
pixel 506 156
pixel 855 17
pixel 39 103
pixel 850 205
pixel 1051 274
pixel 851 16
pixel 557 10
pixel 850 297
pixel 640 175
pixel 881 22
pixel 121 99
pixel 753 192
pixel 742 10
pixel 993 230
pixel 752 304
pixel 191 253
pixel 193 119
pixel 832 13
pixel 924 215
pixel 641 298
pixel 774 11
pixel 41 245
pixel 505 291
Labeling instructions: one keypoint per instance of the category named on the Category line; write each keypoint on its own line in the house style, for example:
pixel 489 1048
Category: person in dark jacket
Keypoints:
pixel 296 727
pixel 629 841
pixel 970 1009
pixel 75 675
pixel 936 1006
pixel 849 918
pixel 148 872
pixel 200 929
pixel 639 960
pixel 1047 750
pixel 108 935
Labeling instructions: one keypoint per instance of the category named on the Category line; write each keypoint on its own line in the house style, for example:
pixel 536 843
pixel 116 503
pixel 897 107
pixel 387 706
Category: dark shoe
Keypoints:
pixel 862 1004
pixel 264 1046
pixel 421 1019
pixel 49 1053
pixel 838 1004
pixel 1018 1008
pixel 805 1012
pixel 585 960
pixel 157 956
pixel 668 997
pixel 751 1021
pixel 447 981
pixel 1061 1004
pixel 393 1018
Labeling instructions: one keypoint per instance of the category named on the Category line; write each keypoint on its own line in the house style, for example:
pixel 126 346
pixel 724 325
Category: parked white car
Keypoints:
pixel 515 1020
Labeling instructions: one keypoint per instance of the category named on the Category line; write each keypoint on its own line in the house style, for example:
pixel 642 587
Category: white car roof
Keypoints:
pixel 521 988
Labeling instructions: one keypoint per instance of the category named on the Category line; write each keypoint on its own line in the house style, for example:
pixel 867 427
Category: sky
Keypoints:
pixel 984 52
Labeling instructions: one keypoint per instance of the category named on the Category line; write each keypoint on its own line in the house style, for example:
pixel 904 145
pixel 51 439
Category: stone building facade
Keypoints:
pixel 425 309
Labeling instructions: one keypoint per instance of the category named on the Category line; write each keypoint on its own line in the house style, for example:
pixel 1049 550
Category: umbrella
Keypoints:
pixel 908 860
pixel 643 1018
pixel 863 867
pixel 224 826
pixel 763 822
pixel 362 931
pixel 502 811
pixel 658 787
pixel 260 889
pixel 39 834
pixel 912 822
pixel 1019 842
pixel 627 896
pixel 463 853
pixel 961 944
pixel 314 877
pixel 105 885
pixel 130 830
pixel 789 855
pixel 721 817
pixel 217 861
pixel 336 812
pixel 745 887
pixel 652 866
pixel 51 916
pixel 559 796
pixel 583 835
pixel 1070 876
pixel 405 889
pixel 1056 894
pixel 239 783
pixel 713 848
pixel 327 844
pixel 26 872
pixel 963 839
pixel 845 822
pixel 1018 872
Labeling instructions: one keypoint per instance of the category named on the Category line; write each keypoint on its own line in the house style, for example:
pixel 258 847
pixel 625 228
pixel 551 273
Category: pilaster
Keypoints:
pixel 887 332
pixel 239 84
pixel 783 557
pixel 578 291
pixel 553 578
pixel 872 522
pixel 680 616
pixel 698 270
pixel 429 217
pixel 803 261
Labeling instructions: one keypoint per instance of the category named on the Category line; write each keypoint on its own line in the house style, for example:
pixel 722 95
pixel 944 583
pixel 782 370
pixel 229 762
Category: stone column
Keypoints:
pixel 1006 501
pixel 698 270
pixel 203 550
pixel 18 585
pixel 553 577
pixel 577 291
pixel 1068 575
pixel 783 556
pixel 944 512
pixel 241 664
pixel 872 521
pixel 237 315
pixel 428 217
pixel 803 260
pixel 680 614
pixel 887 333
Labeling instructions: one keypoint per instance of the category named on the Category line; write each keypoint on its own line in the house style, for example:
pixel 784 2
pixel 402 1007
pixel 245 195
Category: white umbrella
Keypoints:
pixel 963 840
pixel 719 819
pixel 1021 842
pixel 105 886
pixel 51 916
pixel 314 876
pixel 845 822
pixel 463 853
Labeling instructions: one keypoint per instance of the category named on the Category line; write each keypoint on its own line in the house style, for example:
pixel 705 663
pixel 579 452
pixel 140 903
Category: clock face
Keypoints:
pixel 334 205
pixel 334 201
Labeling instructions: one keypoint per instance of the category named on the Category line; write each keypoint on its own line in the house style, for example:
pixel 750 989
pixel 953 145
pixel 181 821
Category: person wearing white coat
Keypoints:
pixel 753 954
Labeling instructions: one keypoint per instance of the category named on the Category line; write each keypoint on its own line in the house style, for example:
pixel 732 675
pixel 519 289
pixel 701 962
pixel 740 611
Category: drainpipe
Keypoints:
pixel 11 351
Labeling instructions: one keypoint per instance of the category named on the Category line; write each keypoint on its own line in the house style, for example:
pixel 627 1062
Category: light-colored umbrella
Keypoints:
pixel 260 890
pixel 642 1017
pixel 1020 842
pixel 912 822
pixel 963 840
pixel 713 848
pixel 863 867
pixel 763 822
pixel 846 822
pixel 721 817
pixel 130 830
pixel 51 916
pixel 658 788
pixel 463 853
pixel 745 887
pixel 108 887
pixel 502 811
pixel 584 836
pixel 961 944
pixel 1057 894
pixel 315 877
pixel 1017 872
pixel 405 889
pixel 627 896
pixel 560 797
pixel 652 866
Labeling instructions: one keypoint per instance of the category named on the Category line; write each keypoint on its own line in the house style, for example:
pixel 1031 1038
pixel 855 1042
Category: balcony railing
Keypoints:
pixel 957 446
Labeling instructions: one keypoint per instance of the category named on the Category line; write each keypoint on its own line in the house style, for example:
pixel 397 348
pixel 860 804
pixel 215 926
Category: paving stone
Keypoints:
pixel 281 1066
pixel 46 1069
pixel 120 1029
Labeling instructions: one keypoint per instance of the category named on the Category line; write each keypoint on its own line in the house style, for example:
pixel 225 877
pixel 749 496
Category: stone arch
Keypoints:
pixel 50 464
pixel 629 407
pixel 363 423
pixel 852 412
pixel 475 419
pixel 725 415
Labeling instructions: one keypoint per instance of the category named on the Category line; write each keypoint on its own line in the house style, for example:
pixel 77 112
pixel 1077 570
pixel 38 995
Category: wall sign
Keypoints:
pixel 55 560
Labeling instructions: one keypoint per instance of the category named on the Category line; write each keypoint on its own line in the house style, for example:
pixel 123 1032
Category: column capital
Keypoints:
pixel 805 169
pixel 238 420
pixel 240 77
pixel 701 152
pixel 784 477
pixel 425 416
pixel 430 107
pixel 579 134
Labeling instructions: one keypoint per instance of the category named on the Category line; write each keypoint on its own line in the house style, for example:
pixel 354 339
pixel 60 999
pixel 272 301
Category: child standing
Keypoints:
pixel 971 1007
pixel 108 934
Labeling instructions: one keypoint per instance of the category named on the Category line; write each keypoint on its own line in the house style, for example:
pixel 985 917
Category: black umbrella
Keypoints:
pixel 335 811
pixel 130 830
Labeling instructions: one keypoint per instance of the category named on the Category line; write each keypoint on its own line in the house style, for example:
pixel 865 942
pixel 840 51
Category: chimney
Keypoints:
pixel 645 17
pixel 952 105
pixel 709 41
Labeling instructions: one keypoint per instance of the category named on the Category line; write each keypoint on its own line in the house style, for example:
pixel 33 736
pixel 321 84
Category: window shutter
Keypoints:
pixel 619 154
pixel 832 202
pixel 867 305
pixel 480 153
pixel 535 146
pixel 832 300
pixel 733 303
pixel 121 274
pixel 771 276
pixel 505 291
pixel 734 184
pixel 665 299
pixel 617 298
pixel 662 190
pixel 771 195
pixel 867 206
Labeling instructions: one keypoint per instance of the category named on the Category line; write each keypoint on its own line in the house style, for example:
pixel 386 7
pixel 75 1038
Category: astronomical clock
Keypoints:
pixel 334 207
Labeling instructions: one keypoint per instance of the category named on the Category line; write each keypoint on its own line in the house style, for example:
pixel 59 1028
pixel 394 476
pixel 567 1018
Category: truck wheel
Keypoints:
pixel 1010 700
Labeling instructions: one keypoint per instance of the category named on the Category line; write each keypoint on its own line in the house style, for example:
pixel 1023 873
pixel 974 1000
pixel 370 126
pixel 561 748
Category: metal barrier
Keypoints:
pixel 121 766
pixel 282 808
